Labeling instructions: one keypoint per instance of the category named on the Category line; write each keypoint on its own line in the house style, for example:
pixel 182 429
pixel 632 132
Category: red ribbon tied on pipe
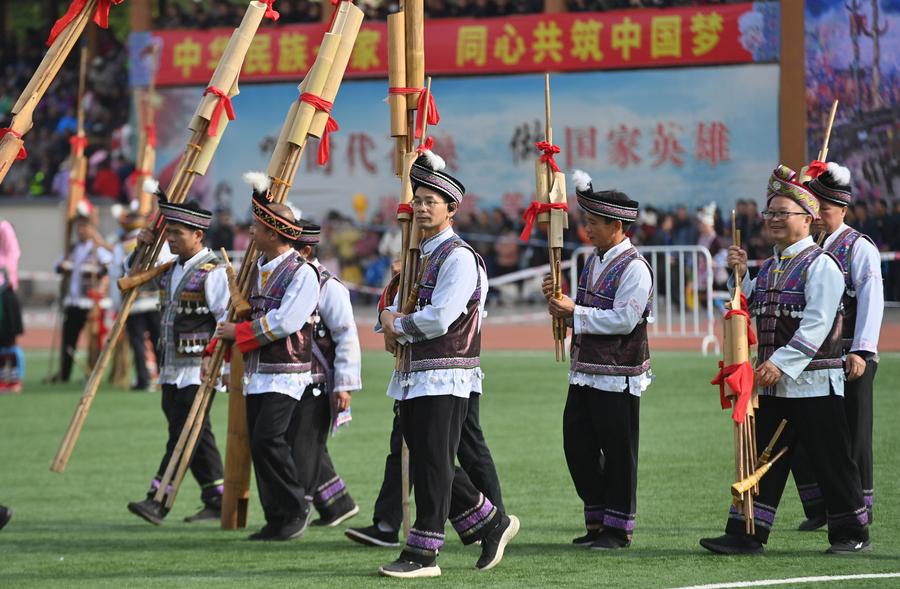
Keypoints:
pixel 150 131
pixel 78 142
pixel 224 105
pixel 101 16
pixel 404 208
pixel 426 146
pixel 323 105
pixel 434 117
pixel 739 378
pixel 816 169
pixel 744 312
pixel 22 153
pixel 549 151
pixel 535 209
pixel 270 11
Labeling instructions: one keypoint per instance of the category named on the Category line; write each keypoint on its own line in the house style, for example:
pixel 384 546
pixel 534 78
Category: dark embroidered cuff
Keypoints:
pixel 409 328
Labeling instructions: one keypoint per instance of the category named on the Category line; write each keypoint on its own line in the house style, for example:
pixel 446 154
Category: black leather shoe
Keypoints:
pixel 849 547
pixel 587 539
pixel 407 569
pixel 372 536
pixel 733 544
pixel 812 523
pixel 294 528
pixel 493 544
pixel 609 541
pixel 149 510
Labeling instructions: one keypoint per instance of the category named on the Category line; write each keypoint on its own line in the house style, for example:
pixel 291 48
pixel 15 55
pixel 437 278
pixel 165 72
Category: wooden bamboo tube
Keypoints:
pixel 350 18
pixel 414 21
pixel 236 498
pixel 753 479
pixel 823 153
pixel 397 73
pixel 313 84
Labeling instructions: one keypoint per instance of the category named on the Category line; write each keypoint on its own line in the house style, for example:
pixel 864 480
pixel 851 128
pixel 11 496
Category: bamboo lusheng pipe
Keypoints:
pixel 23 109
pixel 767 452
pixel 823 153
pixel 241 306
pixel 145 257
pixel 134 280
pixel 744 485
pixel 146 150
pixel 236 495
pixel 282 169
pixel 397 72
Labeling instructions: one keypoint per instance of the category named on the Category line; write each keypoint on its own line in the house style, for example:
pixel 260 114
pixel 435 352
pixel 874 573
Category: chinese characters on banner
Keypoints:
pixel 703 35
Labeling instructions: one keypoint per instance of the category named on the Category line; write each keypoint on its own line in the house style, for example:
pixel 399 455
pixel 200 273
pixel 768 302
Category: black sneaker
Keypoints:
pixel 267 532
pixel 812 523
pixel 5 516
pixel 149 510
pixel 337 519
pixel 407 569
pixel 493 544
pixel 372 536
pixel 208 513
pixel 849 547
pixel 587 539
pixel 733 544
pixel 609 541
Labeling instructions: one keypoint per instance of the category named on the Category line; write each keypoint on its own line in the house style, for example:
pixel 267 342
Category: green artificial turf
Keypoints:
pixel 73 530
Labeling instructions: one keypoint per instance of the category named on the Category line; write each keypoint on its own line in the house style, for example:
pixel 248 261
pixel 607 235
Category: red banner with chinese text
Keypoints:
pixel 625 39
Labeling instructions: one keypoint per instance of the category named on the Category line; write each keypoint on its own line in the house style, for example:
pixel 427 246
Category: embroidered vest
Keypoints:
pixel 187 322
pixel 460 347
pixel 842 249
pixel 323 347
pixel 292 354
pixel 91 275
pixel 148 297
pixel 778 301
pixel 614 354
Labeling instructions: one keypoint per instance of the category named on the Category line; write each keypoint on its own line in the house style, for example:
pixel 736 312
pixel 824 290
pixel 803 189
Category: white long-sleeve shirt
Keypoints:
pixel 83 255
pixel 299 303
pixel 865 273
pixel 215 288
pixel 336 311
pixel 456 281
pixel 629 303
pixel 824 289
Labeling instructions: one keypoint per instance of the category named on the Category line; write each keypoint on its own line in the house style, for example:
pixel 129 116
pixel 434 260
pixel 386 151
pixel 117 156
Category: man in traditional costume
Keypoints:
pixel 86 265
pixel 863 303
pixel 277 345
pixel 796 299
pixel 610 368
pixel 439 371
pixel 194 296
pixel 336 367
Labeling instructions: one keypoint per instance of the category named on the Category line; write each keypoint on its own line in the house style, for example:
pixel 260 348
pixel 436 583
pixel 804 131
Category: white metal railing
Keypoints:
pixel 671 315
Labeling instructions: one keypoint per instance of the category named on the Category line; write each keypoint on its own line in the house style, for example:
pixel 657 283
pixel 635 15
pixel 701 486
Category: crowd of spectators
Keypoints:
pixel 106 113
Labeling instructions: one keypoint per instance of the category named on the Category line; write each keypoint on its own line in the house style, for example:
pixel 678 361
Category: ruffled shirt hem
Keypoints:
pixel 459 382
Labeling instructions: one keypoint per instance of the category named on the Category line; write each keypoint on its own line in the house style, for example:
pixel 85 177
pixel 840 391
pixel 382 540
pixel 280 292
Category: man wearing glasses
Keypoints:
pixel 439 371
pixel 796 299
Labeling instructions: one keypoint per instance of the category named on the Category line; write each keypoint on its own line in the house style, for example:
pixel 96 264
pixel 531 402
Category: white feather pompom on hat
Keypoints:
pixel 582 180
pixel 259 181
pixel 839 173
pixel 435 162
pixel 151 185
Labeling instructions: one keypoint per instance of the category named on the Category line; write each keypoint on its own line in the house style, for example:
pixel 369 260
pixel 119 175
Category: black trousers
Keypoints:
pixel 307 434
pixel 137 325
pixel 206 464
pixel 858 395
pixel 432 428
pixel 74 319
pixel 820 425
pixel 269 417
pixel 473 454
pixel 330 496
pixel 600 439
